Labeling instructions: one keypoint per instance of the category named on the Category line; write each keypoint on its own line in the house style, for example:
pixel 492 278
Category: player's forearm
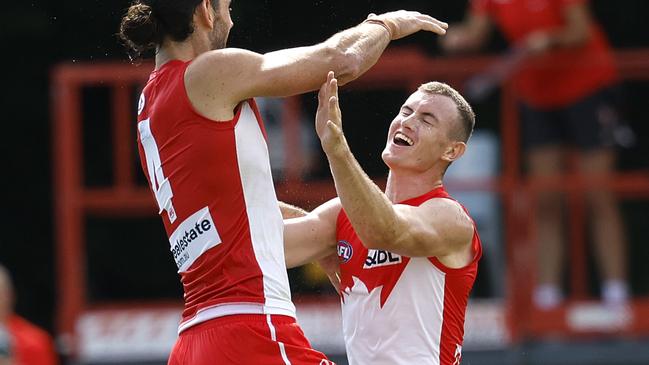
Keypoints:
pixel 291 211
pixel 471 35
pixel 362 46
pixel 371 213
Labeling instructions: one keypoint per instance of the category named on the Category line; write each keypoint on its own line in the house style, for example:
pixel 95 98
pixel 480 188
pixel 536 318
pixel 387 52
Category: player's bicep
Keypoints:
pixel 438 227
pixel 233 74
pixel 298 70
pixel 311 237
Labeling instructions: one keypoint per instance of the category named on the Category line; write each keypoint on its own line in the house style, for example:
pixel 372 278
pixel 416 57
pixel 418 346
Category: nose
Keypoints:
pixel 408 122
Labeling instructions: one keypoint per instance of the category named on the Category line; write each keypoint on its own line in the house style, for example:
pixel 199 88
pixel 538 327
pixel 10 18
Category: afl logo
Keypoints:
pixel 345 251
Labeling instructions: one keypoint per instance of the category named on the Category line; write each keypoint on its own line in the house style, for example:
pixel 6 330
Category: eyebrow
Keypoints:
pixel 426 114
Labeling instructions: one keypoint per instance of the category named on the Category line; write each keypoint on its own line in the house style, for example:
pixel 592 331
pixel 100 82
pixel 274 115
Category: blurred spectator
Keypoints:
pixel 563 73
pixel 21 342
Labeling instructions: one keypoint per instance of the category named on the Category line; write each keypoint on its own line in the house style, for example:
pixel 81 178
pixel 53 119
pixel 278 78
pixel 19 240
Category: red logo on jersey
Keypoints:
pixel 345 251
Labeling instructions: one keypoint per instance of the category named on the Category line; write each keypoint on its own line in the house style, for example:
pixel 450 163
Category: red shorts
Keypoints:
pixel 244 340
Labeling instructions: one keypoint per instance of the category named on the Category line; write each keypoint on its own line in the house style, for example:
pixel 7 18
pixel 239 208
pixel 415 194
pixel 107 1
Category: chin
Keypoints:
pixel 390 160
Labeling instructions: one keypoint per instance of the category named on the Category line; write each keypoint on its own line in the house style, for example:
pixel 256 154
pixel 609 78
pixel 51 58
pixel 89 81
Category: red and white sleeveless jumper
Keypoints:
pixel 402 310
pixel 213 184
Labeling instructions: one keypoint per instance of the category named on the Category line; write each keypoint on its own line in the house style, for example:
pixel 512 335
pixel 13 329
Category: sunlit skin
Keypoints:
pixel 428 121
pixel 222 25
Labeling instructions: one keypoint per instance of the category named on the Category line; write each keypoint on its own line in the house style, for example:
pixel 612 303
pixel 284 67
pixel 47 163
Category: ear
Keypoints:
pixel 454 151
pixel 204 14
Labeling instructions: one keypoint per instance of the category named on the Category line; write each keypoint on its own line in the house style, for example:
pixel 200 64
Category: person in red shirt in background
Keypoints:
pixel 564 83
pixel 21 342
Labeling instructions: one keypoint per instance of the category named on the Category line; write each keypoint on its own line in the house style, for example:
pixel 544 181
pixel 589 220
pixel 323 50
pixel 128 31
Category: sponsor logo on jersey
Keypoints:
pixel 378 258
pixel 345 251
pixel 193 236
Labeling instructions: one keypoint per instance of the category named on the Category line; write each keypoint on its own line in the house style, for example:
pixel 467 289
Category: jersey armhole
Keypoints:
pixel 477 254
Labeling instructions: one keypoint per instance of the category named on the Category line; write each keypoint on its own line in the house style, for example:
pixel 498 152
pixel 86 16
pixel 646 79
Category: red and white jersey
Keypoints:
pixel 402 310
pixel 213 184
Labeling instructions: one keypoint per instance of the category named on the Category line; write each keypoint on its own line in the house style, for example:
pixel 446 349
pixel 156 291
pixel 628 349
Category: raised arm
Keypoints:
pixel 312 236
pixel 232 75
pixel 470 35
pixel 574 32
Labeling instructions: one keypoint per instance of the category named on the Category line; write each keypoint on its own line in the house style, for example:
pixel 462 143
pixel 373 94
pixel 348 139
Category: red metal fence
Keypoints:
pixel 403 69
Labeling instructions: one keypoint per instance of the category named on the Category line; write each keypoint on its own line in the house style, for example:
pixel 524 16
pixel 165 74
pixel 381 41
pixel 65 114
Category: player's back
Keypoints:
pixel 213 184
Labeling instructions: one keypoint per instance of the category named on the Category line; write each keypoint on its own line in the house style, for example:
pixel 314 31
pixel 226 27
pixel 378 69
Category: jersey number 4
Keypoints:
pixel 159 183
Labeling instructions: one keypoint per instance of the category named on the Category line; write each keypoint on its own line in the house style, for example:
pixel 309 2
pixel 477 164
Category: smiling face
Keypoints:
pixel 421 135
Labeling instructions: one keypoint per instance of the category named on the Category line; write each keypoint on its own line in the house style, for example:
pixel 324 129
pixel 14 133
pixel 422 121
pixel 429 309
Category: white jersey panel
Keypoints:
pixel 265 218
pixel 407 330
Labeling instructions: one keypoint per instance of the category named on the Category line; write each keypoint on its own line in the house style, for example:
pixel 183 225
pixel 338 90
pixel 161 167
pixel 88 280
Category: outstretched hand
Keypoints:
pixel 328 120
pixel 403 23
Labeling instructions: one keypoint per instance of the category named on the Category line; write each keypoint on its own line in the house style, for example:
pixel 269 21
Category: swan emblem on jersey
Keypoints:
pixel 345 251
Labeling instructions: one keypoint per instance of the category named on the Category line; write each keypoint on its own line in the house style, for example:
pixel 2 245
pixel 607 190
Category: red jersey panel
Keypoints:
pixel 562 75
pixel 402 310
pixel 213 185
pixel 32 345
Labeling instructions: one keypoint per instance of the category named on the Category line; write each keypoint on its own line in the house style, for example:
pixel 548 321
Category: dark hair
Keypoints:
pixel 467 116
pixel 148 22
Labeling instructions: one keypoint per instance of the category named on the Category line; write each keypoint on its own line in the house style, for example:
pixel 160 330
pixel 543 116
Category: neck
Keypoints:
pixel 184 51
pixel 404 185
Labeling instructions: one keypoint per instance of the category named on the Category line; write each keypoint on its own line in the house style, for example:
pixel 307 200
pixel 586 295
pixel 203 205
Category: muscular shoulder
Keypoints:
pixel 450 218
pixel 217 81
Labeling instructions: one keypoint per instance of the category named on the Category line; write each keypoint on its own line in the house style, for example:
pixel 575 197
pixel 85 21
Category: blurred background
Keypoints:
pixel 88 256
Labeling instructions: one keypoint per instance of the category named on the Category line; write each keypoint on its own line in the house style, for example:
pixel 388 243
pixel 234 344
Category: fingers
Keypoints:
pixel 333 87
pixel 332 95
pixel 407 22
pixel 334 110
pixel 323 92
pixel 334 106
pixel 432 25
pixel 329 93
pixel 430 19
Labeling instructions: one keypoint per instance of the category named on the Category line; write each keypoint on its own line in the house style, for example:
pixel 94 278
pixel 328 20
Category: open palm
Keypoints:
pixel 328 120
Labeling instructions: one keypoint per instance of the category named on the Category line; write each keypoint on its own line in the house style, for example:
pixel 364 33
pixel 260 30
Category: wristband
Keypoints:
pixel 381 23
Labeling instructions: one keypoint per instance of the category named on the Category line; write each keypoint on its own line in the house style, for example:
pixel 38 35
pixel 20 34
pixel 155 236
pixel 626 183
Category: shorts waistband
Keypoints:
pixel 237 318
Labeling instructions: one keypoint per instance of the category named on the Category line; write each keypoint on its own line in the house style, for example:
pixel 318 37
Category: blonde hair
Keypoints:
pixel 467 116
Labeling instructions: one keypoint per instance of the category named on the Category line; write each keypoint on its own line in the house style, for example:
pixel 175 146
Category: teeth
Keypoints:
pixel 404 137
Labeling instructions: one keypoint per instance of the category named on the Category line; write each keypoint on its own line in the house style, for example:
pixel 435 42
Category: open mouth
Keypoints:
pixel 401 139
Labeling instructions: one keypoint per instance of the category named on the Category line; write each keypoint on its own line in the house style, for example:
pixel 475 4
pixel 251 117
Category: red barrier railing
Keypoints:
pixel 402 69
